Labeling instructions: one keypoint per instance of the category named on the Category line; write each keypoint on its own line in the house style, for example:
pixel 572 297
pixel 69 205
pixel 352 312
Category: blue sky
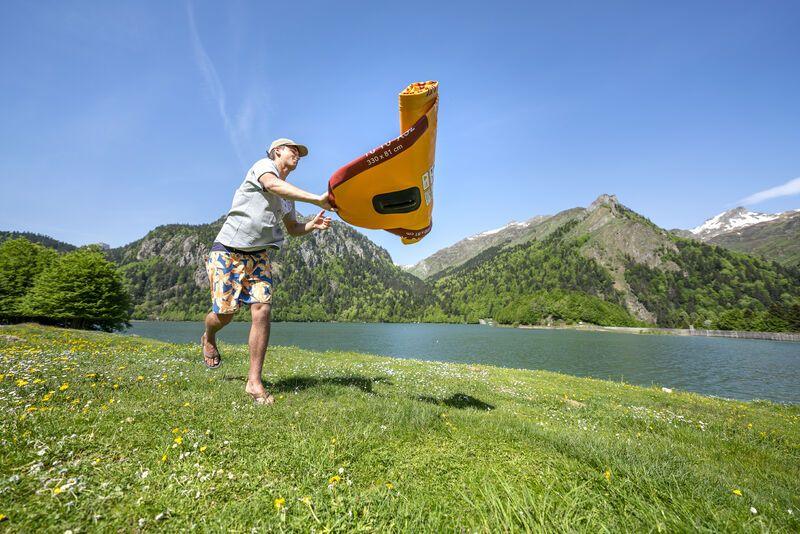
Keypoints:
pixel 118 117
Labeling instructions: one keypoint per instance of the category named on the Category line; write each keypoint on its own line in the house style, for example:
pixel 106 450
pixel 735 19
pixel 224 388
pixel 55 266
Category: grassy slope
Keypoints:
pixel 413 444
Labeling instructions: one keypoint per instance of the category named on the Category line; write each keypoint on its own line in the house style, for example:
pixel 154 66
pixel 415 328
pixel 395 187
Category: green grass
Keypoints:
pixel 91 423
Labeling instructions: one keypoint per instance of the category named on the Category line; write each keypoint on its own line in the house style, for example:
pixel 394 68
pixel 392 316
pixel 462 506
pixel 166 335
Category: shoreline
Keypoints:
pixel 685 332
pixel 637 330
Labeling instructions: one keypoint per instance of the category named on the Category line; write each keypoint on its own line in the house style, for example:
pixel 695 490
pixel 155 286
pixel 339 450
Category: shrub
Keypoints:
pixel 81 289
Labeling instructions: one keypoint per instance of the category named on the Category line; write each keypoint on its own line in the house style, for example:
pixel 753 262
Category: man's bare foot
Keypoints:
pixel 259 394
pixel 211 356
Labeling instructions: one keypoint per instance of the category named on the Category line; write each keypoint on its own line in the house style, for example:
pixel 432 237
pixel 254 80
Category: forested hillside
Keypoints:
pixel 717 288
pixel 502 283
pixel 334 275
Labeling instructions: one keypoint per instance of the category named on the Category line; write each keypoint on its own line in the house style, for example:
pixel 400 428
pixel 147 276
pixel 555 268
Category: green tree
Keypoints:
pixel 20 262
pixel 81 290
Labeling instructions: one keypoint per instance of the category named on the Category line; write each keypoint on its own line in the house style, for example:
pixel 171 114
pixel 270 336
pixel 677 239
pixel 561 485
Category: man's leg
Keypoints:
pixel 214 323
pixel 259 339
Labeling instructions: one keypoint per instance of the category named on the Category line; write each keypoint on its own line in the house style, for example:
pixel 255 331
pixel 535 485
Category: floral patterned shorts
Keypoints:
pixel 238 279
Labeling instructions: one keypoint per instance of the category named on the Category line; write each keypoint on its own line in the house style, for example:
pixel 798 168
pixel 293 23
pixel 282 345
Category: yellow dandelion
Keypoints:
pixel 203 448
pixel 179 440
pixel 3 517
pixel 164 458
pixel 186 404
pixel 389 486
pixel 21 382
pixel 334 479
pixel 48 396
pixel 140 378
pixel 63 387
pixel 38 381
pixel 737 492
pixel 57 490
pixel 306 500
pixel 2 376
pixel 116 386
pixel 90 375
pixel 607 474
pixel 176 430
pixel 280 502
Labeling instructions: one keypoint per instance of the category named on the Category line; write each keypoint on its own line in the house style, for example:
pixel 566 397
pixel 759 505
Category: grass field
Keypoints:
pixel 104 432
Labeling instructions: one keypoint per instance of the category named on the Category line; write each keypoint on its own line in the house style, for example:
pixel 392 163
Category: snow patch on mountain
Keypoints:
pixel 496 230
pixel 730 220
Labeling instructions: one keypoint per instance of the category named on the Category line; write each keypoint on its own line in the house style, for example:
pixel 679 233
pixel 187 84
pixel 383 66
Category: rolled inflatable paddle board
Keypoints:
pixel 391 186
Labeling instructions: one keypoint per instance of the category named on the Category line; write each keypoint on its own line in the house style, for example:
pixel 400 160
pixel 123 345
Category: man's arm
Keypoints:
pixel 284 189
pixel 295 228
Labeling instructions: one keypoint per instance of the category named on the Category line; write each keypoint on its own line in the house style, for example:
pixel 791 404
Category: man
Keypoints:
pixel 239 262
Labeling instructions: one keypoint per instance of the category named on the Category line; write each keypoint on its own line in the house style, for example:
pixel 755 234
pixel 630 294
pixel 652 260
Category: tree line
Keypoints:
pixel 539 282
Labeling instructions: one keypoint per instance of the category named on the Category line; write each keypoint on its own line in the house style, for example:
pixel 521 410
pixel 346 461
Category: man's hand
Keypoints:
pixel 319 222
pixel 324 202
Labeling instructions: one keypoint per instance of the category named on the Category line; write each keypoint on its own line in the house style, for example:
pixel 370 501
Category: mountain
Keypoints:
pixel 604 264
pixel 334 275
pixel 606 235
pixel 772 236
pixel 609 262
pixel 727 221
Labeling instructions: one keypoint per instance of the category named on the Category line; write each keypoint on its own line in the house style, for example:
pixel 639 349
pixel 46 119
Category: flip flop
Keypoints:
pixel 213 356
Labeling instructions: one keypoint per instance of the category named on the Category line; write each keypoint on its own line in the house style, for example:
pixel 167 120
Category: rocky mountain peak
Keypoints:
pixel 610 201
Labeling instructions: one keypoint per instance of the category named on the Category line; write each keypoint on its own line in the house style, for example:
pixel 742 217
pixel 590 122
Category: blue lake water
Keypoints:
pixel 741 369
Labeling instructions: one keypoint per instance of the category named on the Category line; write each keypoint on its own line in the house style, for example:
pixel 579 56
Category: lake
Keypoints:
pixel 743 369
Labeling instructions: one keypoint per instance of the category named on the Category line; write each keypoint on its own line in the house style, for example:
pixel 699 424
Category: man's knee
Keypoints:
pixel 260 313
